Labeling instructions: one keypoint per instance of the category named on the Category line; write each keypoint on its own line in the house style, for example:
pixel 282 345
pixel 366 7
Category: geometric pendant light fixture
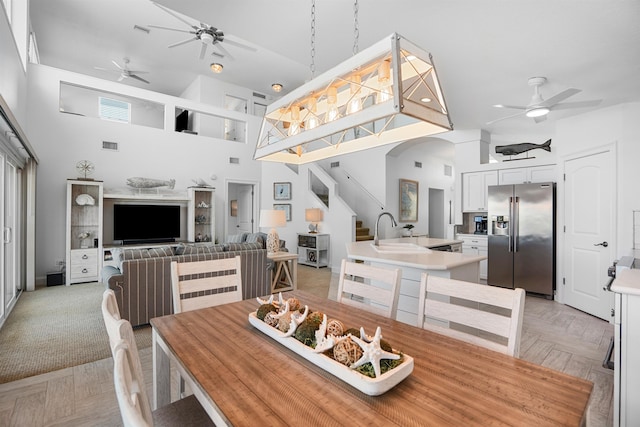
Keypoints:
pixel 387 93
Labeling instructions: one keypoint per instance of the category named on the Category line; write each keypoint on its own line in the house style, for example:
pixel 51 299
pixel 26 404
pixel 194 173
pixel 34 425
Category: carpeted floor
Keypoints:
pixel 54 328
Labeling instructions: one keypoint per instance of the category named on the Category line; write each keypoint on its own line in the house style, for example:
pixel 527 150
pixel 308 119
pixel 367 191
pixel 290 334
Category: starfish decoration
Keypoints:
pixel 372 352
pixel 323 341
pixel 280 302
pixel 296 318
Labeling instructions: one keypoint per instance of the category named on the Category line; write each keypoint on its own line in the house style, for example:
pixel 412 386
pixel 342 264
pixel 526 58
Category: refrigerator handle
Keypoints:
pixel 510 236
pixel 516 223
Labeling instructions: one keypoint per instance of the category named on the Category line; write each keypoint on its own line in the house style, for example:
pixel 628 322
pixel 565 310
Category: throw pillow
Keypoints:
pixel 135 254
pixel 256 238
pixel 160 251
pixel 243 246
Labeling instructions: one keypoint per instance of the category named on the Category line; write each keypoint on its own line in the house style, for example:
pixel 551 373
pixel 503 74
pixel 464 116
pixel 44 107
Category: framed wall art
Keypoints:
pixel 286 207
pixel 281 191
pixel 408 201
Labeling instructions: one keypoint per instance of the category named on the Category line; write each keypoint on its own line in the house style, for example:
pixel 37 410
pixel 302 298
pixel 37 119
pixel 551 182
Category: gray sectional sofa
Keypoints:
pixel 142 283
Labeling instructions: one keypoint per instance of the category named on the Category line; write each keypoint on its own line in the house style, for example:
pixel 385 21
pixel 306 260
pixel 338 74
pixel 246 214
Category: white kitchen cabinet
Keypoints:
pixel 476 245
pixel 545 173
pixel 474 190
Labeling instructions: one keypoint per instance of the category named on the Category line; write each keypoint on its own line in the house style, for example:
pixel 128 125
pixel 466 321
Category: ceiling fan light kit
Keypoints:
pixel 216 67
pixel 389 80
pixel 537 112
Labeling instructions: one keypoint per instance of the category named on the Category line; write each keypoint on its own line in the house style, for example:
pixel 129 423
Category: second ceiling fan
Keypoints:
pixel 538 108
pixel 204 33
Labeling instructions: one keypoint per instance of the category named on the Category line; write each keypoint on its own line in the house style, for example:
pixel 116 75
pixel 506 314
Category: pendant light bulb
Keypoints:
pixel 384 78
pixel 332 101
pixel 355 103
pixel 312 121
pixel 294 128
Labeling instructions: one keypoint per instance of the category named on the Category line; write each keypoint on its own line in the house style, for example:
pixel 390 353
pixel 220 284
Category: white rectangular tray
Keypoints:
pixel 367 385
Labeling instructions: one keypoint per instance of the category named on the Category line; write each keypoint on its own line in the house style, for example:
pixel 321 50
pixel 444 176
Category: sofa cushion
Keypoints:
pixel 160 251
pixel 257 238
pixel 243 246
pixel 193 249
pixel 237 238
pixel 135 254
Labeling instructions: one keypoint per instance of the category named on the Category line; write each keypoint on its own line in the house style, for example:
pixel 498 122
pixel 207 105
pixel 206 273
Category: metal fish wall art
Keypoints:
pixel 138 182
pixel 513 149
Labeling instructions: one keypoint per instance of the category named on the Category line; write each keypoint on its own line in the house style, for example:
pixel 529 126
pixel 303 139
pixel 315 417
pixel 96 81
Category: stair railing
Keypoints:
pixel 364 190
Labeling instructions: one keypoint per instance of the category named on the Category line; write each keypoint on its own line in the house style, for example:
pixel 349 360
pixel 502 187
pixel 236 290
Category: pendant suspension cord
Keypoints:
pixel 313 39
pixel 356 29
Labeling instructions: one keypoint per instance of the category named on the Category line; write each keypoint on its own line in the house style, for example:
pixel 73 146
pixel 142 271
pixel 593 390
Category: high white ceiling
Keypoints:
pixel 484 50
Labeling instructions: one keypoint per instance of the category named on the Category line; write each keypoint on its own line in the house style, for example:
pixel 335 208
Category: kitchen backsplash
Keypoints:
pixel 468 225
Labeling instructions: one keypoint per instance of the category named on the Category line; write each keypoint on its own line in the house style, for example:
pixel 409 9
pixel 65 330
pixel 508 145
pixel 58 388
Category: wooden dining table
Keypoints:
pixel 242 377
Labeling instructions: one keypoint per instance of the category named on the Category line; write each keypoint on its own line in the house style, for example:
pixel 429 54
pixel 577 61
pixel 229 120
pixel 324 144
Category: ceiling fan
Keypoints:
pixel 205 33
pixel 124 71
pixel 538 108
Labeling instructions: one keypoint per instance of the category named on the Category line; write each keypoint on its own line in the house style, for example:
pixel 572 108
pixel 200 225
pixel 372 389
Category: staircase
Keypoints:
pixel 362 233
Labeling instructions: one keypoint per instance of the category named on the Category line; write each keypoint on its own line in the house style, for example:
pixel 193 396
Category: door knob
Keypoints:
pixel 605 244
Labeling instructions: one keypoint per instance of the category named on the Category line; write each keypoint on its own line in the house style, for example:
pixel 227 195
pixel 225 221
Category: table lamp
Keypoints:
pixel 273 219
pixel 313 215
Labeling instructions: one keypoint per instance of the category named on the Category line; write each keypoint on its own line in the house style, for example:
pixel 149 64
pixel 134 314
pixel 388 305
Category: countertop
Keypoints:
pixel 627 282
pixel 429 260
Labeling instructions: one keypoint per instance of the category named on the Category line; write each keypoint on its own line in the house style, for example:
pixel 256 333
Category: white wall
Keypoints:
pixel 61 140
pixel 13 79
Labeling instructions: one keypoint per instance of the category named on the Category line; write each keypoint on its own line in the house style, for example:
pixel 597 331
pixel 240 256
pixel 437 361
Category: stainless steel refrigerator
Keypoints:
pixel 521 234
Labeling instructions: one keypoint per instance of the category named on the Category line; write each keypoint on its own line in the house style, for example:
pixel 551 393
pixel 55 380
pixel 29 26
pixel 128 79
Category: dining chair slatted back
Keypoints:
pixel 111 316
pixel 370 288
pixel 130 386
pixel 487 316
pixel 203 284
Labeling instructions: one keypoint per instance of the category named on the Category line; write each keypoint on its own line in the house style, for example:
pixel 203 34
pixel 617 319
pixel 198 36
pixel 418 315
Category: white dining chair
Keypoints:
pixel 374 289
pixel 111 316
pixel 203 284
pixel 484 315
pixel 130 388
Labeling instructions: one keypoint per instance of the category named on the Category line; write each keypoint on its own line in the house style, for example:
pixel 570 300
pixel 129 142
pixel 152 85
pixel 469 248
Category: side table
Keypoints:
pixel 285 276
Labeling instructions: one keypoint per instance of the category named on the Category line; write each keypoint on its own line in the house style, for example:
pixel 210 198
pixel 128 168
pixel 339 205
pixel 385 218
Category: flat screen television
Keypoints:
pixel 146 223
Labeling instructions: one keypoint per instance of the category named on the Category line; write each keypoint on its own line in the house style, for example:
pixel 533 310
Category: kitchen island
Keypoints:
pixel 413 256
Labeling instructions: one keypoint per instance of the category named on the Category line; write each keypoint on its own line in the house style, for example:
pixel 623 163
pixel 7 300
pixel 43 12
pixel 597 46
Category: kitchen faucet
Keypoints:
pixel 393 224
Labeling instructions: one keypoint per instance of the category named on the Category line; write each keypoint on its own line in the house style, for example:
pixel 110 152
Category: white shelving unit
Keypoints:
pixel 313 249
pixel 84 230
pixel 201 215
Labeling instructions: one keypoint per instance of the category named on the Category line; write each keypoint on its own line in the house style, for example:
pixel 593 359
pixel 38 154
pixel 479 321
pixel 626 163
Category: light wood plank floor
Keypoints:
pixel 554 335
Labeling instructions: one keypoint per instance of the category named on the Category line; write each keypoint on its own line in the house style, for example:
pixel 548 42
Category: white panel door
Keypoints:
pixel 589 216
pixel 245 209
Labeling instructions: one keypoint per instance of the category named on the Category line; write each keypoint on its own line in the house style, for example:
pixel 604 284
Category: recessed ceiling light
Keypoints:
pixel 216 68
pixel 277 87
pixel 425 99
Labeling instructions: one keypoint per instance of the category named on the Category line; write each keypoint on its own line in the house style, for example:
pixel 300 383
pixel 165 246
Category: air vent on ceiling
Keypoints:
pixel 259 95
pixel 335 164
pixel 108 145
pixel 417 164
pixel 234 160
pixel 448 170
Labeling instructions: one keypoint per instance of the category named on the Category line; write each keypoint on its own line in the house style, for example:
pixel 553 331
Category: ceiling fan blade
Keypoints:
pixel 172 13
pixel 559 97
pixel 107 70
pixel 540 118
pixel 133 76
pixel 171 29
pixel 230 41
pixel 515 107
pixel 138 72
pixel 183 42
pixel 504 118
pixel 580 104
pixel 225 52
pixel 203 50
pixel 117 66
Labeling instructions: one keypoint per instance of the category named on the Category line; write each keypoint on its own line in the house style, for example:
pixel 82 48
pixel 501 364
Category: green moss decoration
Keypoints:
pixel 306 331
pixel 264 309
pixel 385 365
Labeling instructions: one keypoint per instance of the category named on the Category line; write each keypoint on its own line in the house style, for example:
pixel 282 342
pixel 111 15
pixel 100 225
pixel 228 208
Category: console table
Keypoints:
pixel 285 276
